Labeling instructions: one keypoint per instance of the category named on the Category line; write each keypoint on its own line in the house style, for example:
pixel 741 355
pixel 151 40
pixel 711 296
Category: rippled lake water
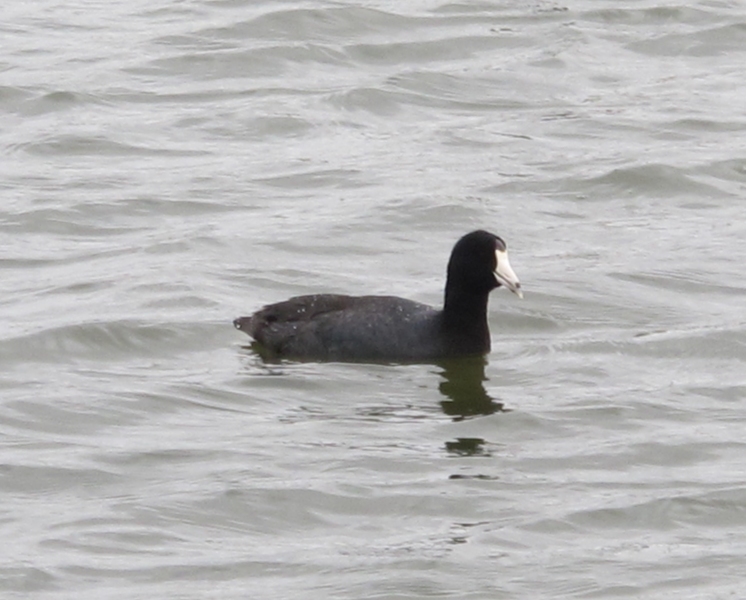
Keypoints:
pixel 168 166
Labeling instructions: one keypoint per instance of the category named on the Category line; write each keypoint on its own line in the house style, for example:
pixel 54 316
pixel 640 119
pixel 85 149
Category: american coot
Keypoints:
pixel 386 328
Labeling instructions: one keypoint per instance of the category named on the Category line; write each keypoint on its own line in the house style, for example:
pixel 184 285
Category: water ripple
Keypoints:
pixel 169 166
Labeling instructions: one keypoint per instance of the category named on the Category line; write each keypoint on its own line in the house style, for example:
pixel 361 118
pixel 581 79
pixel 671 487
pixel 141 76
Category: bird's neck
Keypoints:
pixel 465 316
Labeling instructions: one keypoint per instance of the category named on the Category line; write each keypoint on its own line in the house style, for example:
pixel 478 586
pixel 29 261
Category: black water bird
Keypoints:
pixel 386 328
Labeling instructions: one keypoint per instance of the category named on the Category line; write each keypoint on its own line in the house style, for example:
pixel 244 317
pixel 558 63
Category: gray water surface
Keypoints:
pixel 168 166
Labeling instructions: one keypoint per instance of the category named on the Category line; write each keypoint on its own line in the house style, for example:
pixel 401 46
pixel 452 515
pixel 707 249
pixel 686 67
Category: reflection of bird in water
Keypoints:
pixel 466 447
pixel 463 387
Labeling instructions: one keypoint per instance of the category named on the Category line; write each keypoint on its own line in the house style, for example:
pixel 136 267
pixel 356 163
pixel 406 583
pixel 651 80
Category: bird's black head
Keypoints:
pixel 479 263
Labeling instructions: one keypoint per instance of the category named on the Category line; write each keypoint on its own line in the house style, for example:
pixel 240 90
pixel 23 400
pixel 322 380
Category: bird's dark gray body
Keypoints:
pixel 350 328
